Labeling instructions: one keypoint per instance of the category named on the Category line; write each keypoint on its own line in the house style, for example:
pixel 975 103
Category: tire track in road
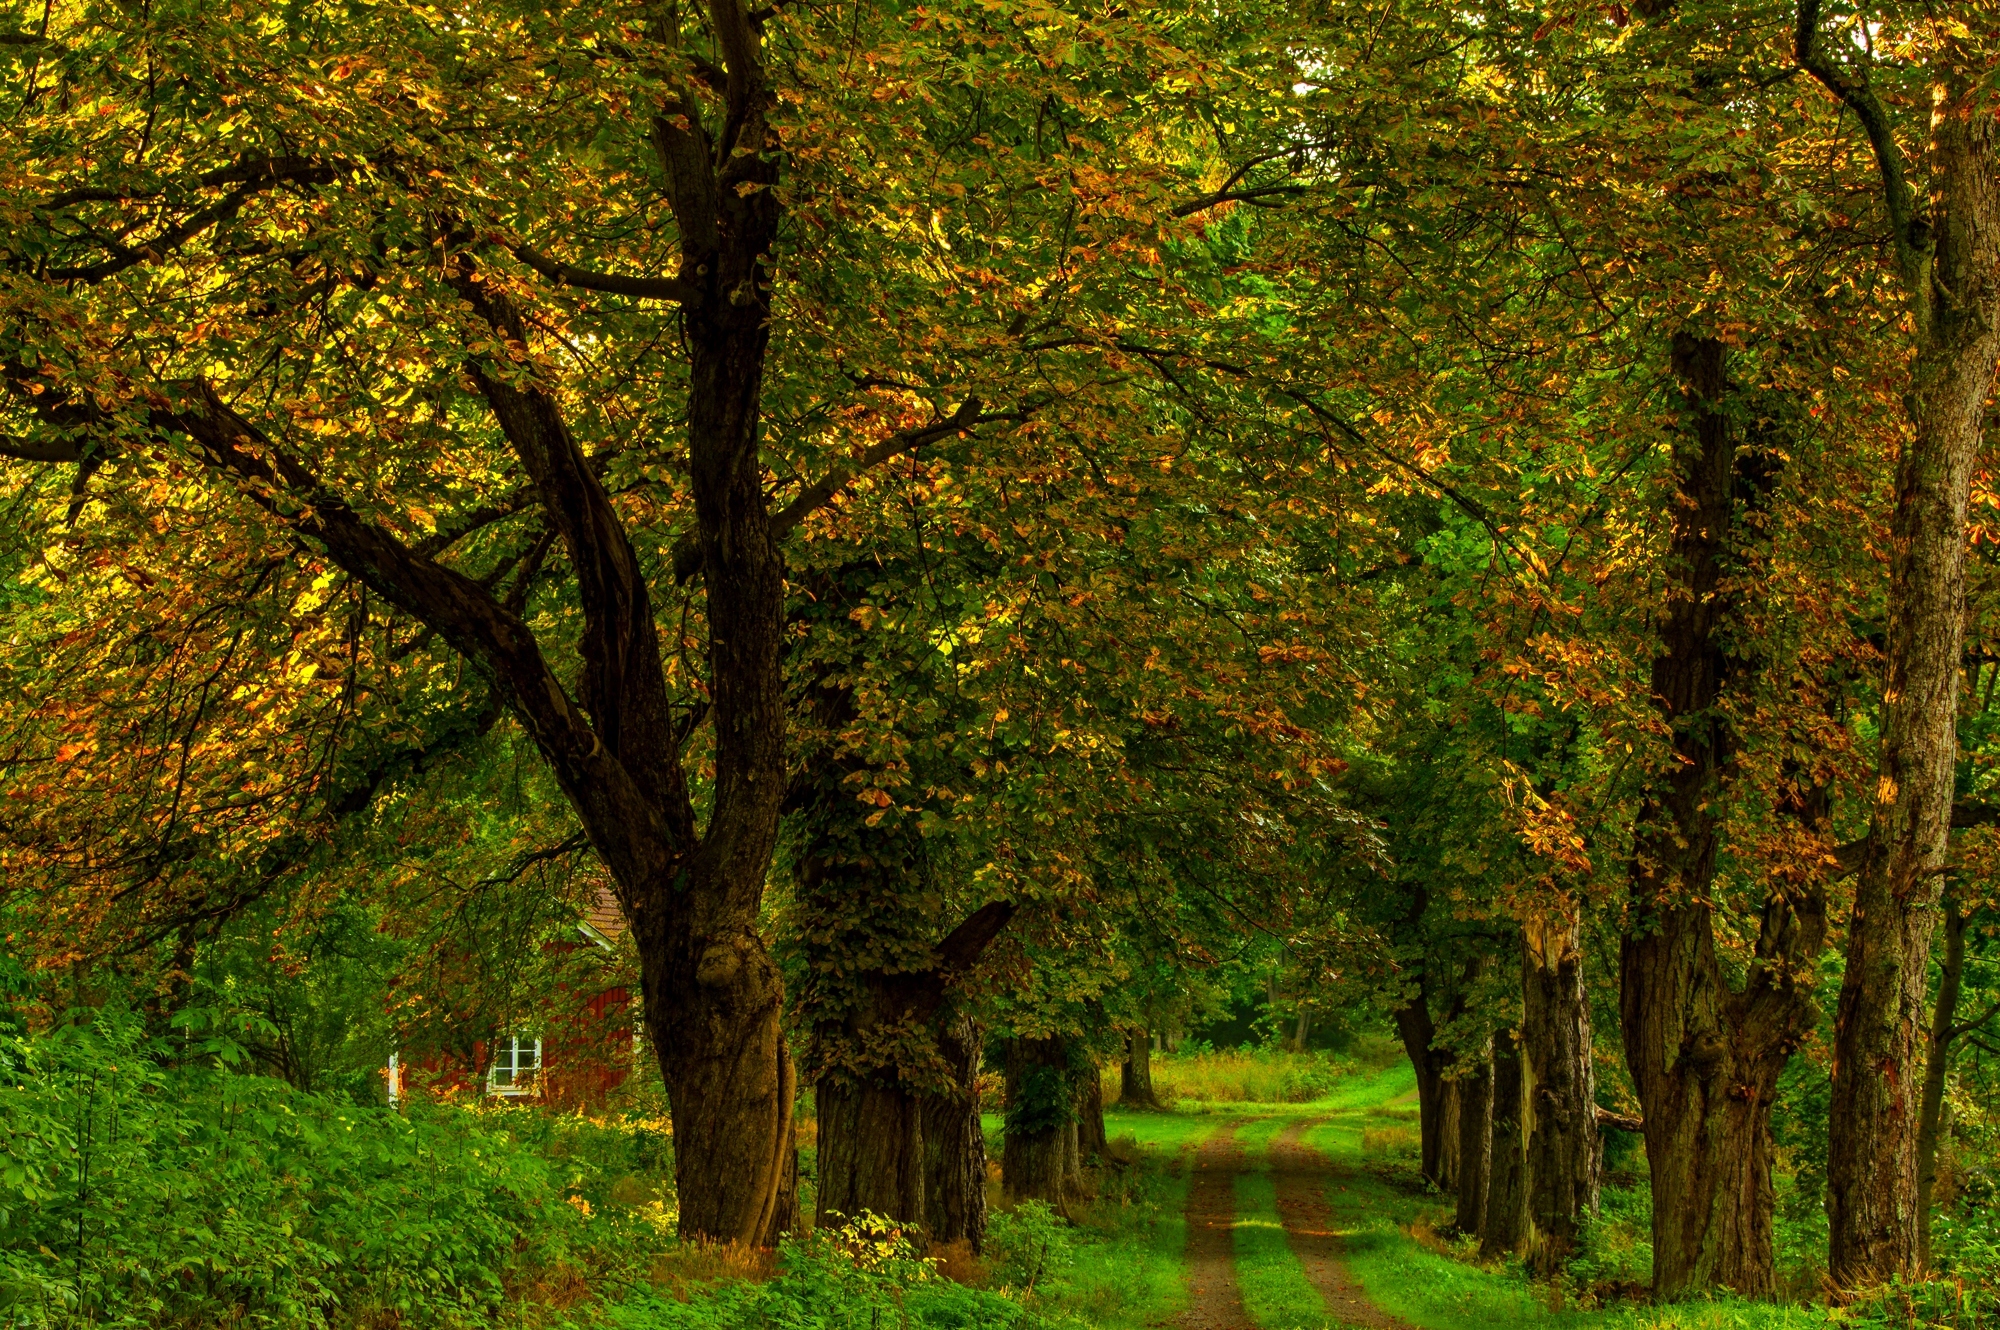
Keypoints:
pixel 1300 1175
pixel 1215 1302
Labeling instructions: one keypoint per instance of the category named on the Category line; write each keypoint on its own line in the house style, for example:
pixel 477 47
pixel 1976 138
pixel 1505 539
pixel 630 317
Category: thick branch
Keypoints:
pixel 623 684
pixel 1912 245
pixel 964 945
pixel 640 288
pixel 625 827
pixel 42 450
pixel 1847 858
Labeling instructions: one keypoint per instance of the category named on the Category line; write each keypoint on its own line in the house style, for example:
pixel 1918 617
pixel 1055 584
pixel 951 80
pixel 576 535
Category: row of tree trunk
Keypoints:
pixel 1510 1126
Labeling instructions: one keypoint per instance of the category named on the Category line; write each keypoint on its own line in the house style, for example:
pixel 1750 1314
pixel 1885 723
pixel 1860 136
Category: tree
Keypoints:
pixel 1946 253
pixel 349 320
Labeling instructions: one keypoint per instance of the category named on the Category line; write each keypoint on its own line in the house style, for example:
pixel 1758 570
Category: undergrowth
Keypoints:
pixel 147 1182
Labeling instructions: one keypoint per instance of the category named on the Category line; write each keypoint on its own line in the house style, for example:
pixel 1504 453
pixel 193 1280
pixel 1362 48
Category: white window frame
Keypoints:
pixel 523 1078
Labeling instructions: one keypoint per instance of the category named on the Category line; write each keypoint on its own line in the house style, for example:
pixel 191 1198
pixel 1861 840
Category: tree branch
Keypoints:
pixel 1964 814
pixel 1250 196
pixel 623 684
pixel 964 945
pixel 251 178
pixel 624 825
pixel 687 553
pixel 639 288
pixel 1911 233
pixel 42 450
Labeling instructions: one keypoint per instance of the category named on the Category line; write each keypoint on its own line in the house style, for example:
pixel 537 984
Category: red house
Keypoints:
pixel 571 1054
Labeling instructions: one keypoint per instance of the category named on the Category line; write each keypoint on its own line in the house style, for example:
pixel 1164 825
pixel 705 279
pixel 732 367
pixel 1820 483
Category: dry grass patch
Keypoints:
pixel 1389 1140
pixel 691 1266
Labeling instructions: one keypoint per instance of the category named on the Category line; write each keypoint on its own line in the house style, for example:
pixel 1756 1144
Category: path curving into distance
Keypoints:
pixel 1300 1174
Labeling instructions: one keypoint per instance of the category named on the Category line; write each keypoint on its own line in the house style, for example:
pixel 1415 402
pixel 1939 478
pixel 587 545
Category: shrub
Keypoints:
pixel 137 1191
pixel 865 1275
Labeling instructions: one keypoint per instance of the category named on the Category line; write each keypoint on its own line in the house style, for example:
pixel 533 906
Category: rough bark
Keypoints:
pixel 1135 1074
pixel 954 1146
pixel 1705 1058
pixel 1039 1161
pixel 896 1059
pixel 1559 1092
pixel 1475 1138
pixel 1450 1142
pixel 1947 252
pixel 871 1151
pixel 1506 1194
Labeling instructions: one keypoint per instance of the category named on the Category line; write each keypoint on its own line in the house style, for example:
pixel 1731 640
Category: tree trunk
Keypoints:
pixel 1301 1030
pixel 729 1081
pixel 1505 1190
pixel 1937 1066
pixel 1091 1140
pixel 1451 1097
pixel 1558 1093
pixel 954 1145
pixel 886 1047
pixel 1039 1161
pixel 1413 1023
pixel 871 1151
pixel 1135 1075
pixel 1947 251
pixel 1475 1139
pixel 1705 1060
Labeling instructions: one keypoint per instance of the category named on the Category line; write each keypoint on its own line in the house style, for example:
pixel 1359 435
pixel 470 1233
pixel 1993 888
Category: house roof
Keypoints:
pixel 603 922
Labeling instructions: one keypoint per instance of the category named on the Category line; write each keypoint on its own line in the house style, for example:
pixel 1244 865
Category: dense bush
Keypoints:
pixel 139 1189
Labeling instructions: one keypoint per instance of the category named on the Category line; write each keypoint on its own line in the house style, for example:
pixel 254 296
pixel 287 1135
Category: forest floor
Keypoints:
pixel 1311 1216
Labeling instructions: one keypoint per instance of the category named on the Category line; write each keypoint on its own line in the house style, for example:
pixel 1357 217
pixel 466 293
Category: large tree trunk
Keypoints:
pixel 1475 1138
pixel 1039 1161
pixel 1506 1193
pixel 714 1020
pixel 871 1151
pixel 1451 1103
pixel 1705 1059
pixel 886 1049
pixel 1135 1074
pixel 1937 1067
pixel 1558 1092
pixel 954 1146
pixel 1948 255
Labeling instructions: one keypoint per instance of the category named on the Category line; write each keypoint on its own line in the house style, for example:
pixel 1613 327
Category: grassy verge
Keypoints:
pixel 1427 1284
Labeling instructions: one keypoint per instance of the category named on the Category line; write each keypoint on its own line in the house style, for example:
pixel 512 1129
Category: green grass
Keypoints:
pixel 1125 1271
pixel 1276 1292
